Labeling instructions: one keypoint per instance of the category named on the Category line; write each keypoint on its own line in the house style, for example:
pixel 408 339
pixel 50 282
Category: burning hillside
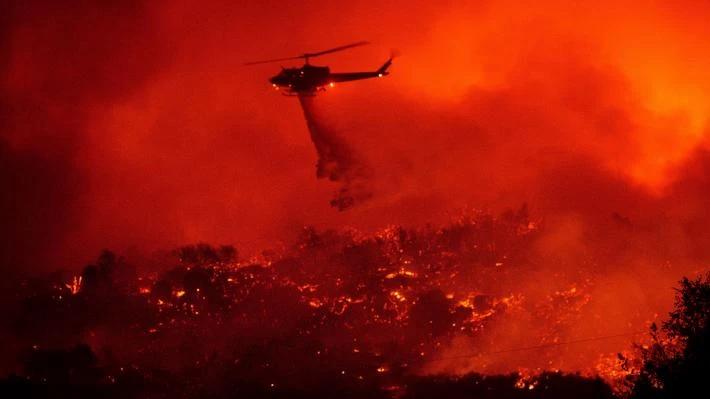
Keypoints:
pixel 352 311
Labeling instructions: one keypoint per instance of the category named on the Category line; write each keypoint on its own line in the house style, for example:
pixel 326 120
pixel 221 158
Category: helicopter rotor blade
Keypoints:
pixel 306 56
pixel 333 50
pixel 274 60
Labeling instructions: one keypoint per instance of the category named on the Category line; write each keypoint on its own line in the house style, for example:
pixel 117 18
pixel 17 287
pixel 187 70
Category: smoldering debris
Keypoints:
pixel 337 160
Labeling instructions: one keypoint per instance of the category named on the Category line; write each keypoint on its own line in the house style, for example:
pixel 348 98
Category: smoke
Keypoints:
pixel 37 204
pixel 337 160
pixel 161 132
pixel 125 124
pixel 574 138
pixel 59 66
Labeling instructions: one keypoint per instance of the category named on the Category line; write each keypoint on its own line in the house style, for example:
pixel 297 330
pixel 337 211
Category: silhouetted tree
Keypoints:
pixel 675 364
pixel 109 271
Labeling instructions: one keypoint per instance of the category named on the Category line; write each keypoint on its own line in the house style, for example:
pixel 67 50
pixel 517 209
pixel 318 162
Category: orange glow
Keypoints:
pixel 594 115
pixel 623 85
pixel 402 272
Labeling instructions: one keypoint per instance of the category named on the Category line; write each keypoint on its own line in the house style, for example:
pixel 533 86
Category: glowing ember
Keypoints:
pixel 398 296
pixel 315 303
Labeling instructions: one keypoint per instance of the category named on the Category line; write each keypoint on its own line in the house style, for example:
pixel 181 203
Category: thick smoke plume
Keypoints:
pixel 337 160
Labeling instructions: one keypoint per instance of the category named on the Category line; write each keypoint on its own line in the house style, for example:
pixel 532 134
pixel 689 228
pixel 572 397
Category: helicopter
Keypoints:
pixel 309 79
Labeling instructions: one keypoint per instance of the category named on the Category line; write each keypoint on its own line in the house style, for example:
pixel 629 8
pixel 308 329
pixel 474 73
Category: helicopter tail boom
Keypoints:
pixel 348 76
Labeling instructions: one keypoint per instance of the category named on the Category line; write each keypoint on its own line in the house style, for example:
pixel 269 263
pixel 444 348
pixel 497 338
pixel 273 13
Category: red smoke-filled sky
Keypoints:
pixel 129 123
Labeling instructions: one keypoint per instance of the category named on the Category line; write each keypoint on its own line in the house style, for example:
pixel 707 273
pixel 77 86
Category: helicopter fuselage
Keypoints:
pixel 307 79
pixel 310 79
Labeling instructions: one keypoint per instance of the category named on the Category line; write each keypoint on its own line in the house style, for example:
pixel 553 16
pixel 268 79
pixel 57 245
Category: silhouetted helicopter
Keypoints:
pixel 310 79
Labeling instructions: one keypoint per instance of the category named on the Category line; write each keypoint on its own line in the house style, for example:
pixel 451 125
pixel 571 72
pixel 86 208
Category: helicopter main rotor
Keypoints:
pixel 306 56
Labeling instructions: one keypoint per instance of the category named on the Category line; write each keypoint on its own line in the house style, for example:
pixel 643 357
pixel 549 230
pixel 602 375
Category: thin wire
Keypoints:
pixel 525 348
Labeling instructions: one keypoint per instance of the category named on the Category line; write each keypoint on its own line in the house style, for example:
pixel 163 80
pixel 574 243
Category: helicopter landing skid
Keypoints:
pixel 311 93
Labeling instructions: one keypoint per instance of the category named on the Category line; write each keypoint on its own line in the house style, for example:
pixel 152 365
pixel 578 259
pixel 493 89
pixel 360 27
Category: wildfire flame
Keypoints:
pixel 386 304
pixel 75 286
